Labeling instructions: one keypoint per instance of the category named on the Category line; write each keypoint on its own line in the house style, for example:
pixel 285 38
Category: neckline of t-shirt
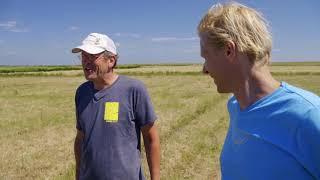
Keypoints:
pixel 98 94
pixel 264 99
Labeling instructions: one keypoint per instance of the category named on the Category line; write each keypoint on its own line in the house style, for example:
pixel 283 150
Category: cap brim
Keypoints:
pixel 88 48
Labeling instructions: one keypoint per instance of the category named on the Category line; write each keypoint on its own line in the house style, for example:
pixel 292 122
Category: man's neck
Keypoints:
pixel 254 85
pixel 106 82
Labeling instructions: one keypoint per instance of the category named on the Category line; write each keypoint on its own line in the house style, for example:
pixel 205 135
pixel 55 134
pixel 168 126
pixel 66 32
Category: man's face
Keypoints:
pixel 94 65
pixel 216 64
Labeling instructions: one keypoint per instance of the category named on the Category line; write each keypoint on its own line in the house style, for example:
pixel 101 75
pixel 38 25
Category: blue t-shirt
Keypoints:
pixel 111 120
pixel 277 137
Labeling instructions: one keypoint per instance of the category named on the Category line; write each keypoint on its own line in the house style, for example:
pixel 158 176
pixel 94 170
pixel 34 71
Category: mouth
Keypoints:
pixel 88 70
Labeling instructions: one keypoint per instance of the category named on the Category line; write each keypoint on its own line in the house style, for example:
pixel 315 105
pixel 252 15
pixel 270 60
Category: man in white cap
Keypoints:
pixel 111 111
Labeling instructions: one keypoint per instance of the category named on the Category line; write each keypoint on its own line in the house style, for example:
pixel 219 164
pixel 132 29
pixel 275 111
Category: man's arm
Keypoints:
pixel 308 141
pixel 152 147
pixel 77 151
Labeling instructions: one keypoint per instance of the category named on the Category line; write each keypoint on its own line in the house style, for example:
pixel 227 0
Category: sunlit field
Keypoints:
pixel 37 118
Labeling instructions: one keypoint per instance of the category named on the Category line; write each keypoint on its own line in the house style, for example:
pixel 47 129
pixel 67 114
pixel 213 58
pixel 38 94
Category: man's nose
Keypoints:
pixel 204 70
pixel 86 60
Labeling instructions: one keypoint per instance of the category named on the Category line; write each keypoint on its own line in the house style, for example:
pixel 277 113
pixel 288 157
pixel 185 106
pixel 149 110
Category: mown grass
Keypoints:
pixel 36 116
pixel 38 124
pixel 278 68
pixel 39 112
pixel 48 68
pixel 15 69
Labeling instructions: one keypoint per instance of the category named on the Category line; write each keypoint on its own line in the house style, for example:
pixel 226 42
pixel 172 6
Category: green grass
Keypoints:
pixel 38 123
pixel 277 68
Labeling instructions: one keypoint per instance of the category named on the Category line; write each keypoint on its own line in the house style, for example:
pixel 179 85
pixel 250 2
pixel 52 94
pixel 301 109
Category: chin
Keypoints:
pixel 90 77
pixel 221 89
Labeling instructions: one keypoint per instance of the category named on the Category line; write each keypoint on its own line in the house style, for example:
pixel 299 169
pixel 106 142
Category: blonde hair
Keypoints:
pixel 244 26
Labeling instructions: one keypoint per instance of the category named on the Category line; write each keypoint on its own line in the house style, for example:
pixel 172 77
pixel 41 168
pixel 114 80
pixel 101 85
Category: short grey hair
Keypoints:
pixel 108 54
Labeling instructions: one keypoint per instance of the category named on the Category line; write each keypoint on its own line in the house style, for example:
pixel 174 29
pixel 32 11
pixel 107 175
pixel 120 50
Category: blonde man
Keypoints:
pixel 274 130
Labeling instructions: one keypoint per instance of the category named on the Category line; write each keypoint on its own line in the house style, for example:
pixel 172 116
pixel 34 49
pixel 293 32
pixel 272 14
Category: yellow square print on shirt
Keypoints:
pixel 111 112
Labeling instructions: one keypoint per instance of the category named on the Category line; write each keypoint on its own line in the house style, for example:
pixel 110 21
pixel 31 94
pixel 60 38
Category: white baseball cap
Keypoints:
pixel 96 43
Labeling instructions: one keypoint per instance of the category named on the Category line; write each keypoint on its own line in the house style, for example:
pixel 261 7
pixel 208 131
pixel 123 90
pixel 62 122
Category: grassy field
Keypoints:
pixel 37 118
pixel 278 68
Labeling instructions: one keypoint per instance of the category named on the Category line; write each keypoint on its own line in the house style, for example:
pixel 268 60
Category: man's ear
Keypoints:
pixel 112 61
pixel 230 50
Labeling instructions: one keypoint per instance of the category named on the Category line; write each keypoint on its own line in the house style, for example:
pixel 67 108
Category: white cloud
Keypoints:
pixel 11 53
pixel 19 30
pixel 131 35
pixel 12 27
pixel 160 39
pixel 9 24
pixel 192 49
pixel 8 53
pixel 73 28
pixel 165 39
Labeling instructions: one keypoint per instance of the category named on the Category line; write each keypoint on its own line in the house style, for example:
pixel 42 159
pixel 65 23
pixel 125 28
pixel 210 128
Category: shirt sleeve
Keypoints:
pixel 76 99
pixel 309 142
pixel 143 108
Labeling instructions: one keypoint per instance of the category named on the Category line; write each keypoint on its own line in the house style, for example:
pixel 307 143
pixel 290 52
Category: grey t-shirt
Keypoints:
pixel 111 120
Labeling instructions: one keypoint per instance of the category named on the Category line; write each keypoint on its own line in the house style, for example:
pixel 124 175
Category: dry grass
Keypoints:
pixel 37 124
pixel 39 154
pixel 36 130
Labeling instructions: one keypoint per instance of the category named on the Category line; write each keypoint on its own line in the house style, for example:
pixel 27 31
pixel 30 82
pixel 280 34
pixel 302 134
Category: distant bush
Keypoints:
pixel 13 69
pixel 128 66
pixel 294 73
pixel 295 63
pixel 159 73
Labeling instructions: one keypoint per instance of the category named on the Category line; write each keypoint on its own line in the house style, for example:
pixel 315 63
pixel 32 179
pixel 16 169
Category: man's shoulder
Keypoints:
pixel 297 104
pixel 131 83
pixel 300 97
pixel 84 87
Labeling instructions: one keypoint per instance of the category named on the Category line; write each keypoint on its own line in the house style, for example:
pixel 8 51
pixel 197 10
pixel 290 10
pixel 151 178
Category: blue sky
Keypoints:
pixel 37 32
